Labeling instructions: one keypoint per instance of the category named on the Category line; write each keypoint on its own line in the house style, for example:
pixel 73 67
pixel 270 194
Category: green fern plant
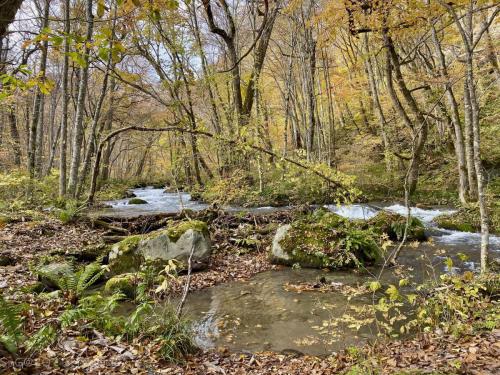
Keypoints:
pixel 73 283
pixel 70 212
pixel 97 311
pixel 41 339
pixel 11 325
pixel 12 330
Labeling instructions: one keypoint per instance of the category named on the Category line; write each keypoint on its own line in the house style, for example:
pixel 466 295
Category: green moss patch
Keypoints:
pixel 468 219
pixel 327 240
pixel 393 225
pixel 124 283
pixel 175 231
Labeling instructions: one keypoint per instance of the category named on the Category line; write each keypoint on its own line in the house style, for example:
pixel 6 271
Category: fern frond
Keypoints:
pixel 11 325
pixel 71 316
pixel 88 276
pixel 41 339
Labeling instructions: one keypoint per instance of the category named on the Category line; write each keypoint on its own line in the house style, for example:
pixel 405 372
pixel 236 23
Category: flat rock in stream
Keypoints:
pixel 174 242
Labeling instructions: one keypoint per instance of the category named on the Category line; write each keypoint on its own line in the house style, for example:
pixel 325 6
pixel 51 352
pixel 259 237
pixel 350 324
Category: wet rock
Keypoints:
pixel 160 246
pixel 137 201
pixel 129 194
pixel 279 255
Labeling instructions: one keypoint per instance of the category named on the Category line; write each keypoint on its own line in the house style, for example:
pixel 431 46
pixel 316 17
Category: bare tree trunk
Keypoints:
pixel 470 39
pixel 109 124
pixel 8 12
pixel 458 139
pixel 36 128
pixel 95 119
pixel 82 93
pixel 65 102
pixel 288 88
pixel 378 106
pixel 14 134
pixel 419 132
pixel 469 148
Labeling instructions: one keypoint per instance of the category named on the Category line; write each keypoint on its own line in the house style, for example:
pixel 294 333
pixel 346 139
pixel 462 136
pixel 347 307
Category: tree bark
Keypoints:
pixel 36 128
pixel 80 110
pixel 14 134
pixel 65 103
pixel 421 130
pixel 8 10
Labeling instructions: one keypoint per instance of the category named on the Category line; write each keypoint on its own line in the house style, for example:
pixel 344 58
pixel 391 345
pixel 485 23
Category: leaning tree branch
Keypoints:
pixel 176 128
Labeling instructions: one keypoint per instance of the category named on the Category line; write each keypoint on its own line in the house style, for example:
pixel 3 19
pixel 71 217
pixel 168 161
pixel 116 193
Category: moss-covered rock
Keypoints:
pixel 468 219
pixel 137 201
pixel 393 225
pixel 174 242
pixel 175 231
pixel 325 240
pixel 124 283
pixel 124 256
pixel 49 274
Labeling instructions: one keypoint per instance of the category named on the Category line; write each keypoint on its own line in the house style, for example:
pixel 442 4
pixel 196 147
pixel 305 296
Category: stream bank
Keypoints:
pixel 237 267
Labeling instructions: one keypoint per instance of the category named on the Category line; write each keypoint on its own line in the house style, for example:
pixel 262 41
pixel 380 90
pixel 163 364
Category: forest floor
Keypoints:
pixel 24 244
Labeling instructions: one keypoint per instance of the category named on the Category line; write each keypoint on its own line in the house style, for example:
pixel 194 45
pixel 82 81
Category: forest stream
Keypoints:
pixel 273 311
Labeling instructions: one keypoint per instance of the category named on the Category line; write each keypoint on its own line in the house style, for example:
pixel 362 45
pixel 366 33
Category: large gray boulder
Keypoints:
pixel 161 246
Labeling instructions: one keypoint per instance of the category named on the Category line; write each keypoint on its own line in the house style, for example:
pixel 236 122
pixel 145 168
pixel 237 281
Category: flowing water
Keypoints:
pixel 264 314
pixel 159 201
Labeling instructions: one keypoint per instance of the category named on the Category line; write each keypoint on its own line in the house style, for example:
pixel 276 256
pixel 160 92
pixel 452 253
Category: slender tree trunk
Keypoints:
pixel 378 106
pixel 483 208
pixel 36 128
pixel 458 138
pixel 469 148
pixel 65 102
pixel 80 109
pixel 421 130
pixel 53 148
pixel 14 134
pixel 95 120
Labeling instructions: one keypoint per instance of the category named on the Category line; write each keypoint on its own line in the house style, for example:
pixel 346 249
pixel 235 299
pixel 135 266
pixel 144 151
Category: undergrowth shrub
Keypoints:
pixel 281 184
pixel 72 282
pixel 14 336
pixel 172 335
